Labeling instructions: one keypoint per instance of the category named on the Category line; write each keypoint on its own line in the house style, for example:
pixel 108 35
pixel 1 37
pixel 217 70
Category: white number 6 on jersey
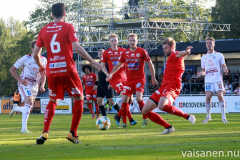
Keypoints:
pixel 55 43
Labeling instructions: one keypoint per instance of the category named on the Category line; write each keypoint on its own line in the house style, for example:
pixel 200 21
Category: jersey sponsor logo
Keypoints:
pixel 60 71
pixel 211 70
pixel 58 65
pixel 208 87
pixel 57 58
pixel 116 53
pixel 127 52
pixel 114 58
pixel 109 51
pixel 132 55
pixel 89 83
pixel 29 93
pixel 133 60
pixel 131 65
pixel 138 54
pixel 114 63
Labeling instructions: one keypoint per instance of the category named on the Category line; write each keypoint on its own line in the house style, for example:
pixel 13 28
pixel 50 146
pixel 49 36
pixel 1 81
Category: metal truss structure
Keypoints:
pixel 158 21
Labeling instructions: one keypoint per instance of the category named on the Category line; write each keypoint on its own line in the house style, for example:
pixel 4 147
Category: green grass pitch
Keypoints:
pixel 131 143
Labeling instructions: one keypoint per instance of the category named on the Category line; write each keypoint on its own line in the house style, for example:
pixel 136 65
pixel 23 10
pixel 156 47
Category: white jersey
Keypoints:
pixel 213 66
pixel 30 69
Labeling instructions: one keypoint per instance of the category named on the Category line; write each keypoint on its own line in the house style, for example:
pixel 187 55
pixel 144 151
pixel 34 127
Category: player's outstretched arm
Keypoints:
pixel 81 51
pixel 185 52
pixel 152 70
pixel 115 69
pixel 104 69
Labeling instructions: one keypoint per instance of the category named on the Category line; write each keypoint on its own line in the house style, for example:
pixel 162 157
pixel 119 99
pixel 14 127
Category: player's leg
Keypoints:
pixel 219 89
pixel 209 89
pixel 139 95
pixel 147 111
pixel 100 96
pixel 25 114
pixel 124 109
pixel 89 103
pixel 94 93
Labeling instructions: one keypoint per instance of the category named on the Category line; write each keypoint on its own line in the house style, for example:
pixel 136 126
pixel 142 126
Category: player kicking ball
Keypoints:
pixel 170 88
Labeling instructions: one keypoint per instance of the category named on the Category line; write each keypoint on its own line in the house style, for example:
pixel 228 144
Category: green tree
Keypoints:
pixel 227 12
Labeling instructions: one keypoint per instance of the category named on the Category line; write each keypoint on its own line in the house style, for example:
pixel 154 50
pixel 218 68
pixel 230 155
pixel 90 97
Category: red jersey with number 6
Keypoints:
pixel 59 50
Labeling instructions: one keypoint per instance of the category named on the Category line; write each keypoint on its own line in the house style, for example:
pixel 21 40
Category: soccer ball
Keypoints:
pixel 103 123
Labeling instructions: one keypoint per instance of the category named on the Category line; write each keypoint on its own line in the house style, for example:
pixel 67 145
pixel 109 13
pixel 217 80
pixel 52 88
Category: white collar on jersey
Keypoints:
pixel 211 53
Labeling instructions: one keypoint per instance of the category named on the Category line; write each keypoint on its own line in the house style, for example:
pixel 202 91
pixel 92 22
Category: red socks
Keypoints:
pixel 125 108
pixel 77 114
pixel 97 108
pixel 49 114
pixel 141 104
pixel 90 108
pixel 175 111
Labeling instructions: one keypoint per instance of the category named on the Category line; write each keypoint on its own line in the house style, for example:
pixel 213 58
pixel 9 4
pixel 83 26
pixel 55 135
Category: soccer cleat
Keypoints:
pixel 25 131
pixel 12 113
pixel 168 130
pixel 97 117
pixel 124 125
pixel 224 120
pixel 117 119
pixel 93 116
pixel 133 122
pixel 206 120
pixel 144 123
pixel 42 138
pixel 192 119
pixel 73 139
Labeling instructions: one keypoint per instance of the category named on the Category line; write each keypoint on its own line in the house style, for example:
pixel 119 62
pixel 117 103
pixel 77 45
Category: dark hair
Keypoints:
pixel 58 9
pixel 33 43
pixel 87 66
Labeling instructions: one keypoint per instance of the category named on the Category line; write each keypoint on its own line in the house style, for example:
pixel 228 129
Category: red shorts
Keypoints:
pixel 170 91
pixel 129 88
pixel 117 84
pixel 58 85
pixel 91 95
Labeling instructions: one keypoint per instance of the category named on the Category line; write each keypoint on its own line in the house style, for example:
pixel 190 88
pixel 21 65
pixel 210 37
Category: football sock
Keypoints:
pixel 208 109
pixel 120 112
pixel 116 107
pixel 175 111
pixel 49 114
pixel 90 108
pixel 125 107
pixel 97 108
pixel 77 114
pixel 157 119
pixel 102 110
pixel 25 115
pixel 141 104
pixel 222 106
pixel 129 115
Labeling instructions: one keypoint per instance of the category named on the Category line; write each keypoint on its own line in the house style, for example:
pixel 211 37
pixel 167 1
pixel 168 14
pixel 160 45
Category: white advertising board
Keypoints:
pixel 63 106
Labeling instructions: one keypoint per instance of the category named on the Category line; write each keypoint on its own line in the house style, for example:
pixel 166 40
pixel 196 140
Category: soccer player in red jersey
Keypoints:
pixel 60 38
pixel 118 80
pixel 170 87
pixel 135 58
pixel 89 80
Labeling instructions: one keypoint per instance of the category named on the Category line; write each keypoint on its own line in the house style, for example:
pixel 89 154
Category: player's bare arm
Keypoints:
pixel 17 77
pixel 81 51
pixel 36 55
pixel 185 52
pixel 202 73
pixel 152 70
pixel 42 81
pixel 104 69
pixel 225 70
pixel 115 69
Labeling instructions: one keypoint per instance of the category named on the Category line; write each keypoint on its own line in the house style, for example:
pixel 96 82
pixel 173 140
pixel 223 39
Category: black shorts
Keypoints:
pixel 102 91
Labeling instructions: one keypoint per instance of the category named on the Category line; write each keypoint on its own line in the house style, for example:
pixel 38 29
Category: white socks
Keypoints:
pixel 222 107
pixel 18 109
pixel 25 114
pixel 208 109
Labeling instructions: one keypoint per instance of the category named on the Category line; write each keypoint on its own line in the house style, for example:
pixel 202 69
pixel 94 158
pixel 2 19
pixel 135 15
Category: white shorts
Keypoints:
pixel 214 86
pixel 26 91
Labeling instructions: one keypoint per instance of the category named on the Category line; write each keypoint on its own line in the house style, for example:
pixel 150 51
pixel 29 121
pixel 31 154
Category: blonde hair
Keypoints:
pixel 112 35
pixel 210 38
pixel 132 35
pixel 170 41
pixel 101 50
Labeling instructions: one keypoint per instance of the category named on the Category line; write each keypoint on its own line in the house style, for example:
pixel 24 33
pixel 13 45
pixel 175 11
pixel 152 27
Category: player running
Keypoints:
pixel 170 87
pixel 212 64
pixel 60 39
pixel 117 81
pixel 28 84
pixel 135 58
pixel 89 81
